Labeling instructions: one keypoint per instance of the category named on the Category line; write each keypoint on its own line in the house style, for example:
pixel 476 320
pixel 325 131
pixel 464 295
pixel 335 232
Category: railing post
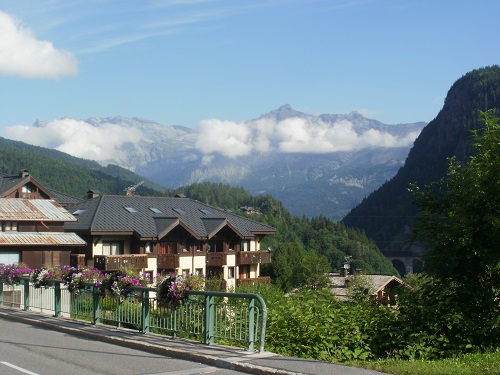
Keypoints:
pixel 1 293
pixel 145 312
pixel 209 317
pixel 26 284
pixel 96 299
pixel 57 299
pixel 251 323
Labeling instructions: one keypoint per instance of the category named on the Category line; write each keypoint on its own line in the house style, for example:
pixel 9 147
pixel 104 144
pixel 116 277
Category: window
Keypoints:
pixel 130 209
pixel 26 189
pixel 230 272
pixel 199 272
pixel 179 211
pixel 78 212
pixel 244 272
pixel 148 247
pixel 10 257
pixel 112 248
pixel 10 226
pixel 155 210
pixel 167 248
pixel 206 212
pixel 245 246
pixel 185 272
pixel 215 246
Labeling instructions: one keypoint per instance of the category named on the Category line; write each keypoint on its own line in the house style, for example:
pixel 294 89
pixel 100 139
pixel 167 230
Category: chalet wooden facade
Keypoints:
pixel 32 224
pixel 169 234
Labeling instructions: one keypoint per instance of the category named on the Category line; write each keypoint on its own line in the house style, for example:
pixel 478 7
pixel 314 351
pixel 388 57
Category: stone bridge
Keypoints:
pixel 406 263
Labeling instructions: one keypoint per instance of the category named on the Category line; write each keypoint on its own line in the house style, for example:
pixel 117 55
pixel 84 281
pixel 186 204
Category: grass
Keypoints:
pixel 467 364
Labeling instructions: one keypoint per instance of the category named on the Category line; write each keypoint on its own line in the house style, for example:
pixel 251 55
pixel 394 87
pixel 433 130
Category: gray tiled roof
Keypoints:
pixel 108 213
pixel 7 183
pixel 64 199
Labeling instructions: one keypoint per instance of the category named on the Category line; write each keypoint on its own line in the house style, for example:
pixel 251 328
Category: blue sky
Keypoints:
pixel 182 62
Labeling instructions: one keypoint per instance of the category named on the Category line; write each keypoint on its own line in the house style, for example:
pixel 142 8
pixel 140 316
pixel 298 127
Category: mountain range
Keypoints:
pixel 315 164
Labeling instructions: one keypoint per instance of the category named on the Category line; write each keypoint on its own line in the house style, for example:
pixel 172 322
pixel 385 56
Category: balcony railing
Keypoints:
pixel 254 280
pixel 168 261
pixel 253 257
pixel 216 259
pixel 120 262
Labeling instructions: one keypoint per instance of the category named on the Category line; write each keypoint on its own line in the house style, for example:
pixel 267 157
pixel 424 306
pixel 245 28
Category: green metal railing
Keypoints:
pixel 207 316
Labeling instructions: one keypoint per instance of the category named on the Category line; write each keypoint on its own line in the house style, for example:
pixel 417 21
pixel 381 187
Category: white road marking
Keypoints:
pixel 18 368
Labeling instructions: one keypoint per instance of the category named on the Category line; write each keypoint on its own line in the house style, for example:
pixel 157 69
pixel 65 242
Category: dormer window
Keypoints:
pixel 26 191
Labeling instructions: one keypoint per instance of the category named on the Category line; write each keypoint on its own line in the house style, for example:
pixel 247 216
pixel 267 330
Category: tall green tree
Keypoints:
pixel 460 223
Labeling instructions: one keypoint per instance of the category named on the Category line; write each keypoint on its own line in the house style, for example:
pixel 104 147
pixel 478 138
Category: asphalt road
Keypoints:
pixel 25 349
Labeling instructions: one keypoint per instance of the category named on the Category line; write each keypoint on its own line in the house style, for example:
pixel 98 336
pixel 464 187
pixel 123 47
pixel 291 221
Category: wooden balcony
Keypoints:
pixel 253 257
pixel 216 259
pixel 120 262
pixel 167 261
pixel 254 280
pixel 77 260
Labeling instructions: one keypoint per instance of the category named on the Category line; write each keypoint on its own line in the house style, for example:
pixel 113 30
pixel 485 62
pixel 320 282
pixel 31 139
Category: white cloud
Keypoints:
pixel 224 137
pixel 78 138
pixel 292 135
pixel 23 55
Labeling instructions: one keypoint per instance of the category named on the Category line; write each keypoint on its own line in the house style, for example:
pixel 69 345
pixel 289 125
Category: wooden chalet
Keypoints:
pixel 32 224
pixel 169 234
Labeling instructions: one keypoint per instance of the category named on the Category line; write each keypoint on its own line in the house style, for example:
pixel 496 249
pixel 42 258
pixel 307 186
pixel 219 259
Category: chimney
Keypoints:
pixel 344 271
pixel 24 173
pixel 93 194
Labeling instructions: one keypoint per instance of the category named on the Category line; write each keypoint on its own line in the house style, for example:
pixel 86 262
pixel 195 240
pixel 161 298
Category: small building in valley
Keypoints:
pixel 382 286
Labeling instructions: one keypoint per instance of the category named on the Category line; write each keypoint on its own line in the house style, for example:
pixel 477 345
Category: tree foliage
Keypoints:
pixel 460 223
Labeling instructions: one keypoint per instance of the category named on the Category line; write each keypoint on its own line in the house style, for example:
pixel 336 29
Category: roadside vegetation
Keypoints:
pixel 447 319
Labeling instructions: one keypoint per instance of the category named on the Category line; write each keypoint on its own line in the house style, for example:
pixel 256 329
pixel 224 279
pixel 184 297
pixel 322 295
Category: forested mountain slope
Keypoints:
pixel 70 175
pixel 387 215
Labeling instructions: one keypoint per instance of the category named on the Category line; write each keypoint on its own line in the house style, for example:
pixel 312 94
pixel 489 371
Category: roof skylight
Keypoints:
pixel 179 211
pixel 206 212
pixel 155 210
pixel 130 209
pixel 78 212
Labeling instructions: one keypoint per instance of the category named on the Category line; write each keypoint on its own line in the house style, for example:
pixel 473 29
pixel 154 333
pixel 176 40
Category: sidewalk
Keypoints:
pixel 227 357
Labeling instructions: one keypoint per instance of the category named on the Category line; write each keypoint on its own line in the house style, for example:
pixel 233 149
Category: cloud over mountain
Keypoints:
pixel 291 135
pixel 78 138
pixel 23 55
pixel 116 139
